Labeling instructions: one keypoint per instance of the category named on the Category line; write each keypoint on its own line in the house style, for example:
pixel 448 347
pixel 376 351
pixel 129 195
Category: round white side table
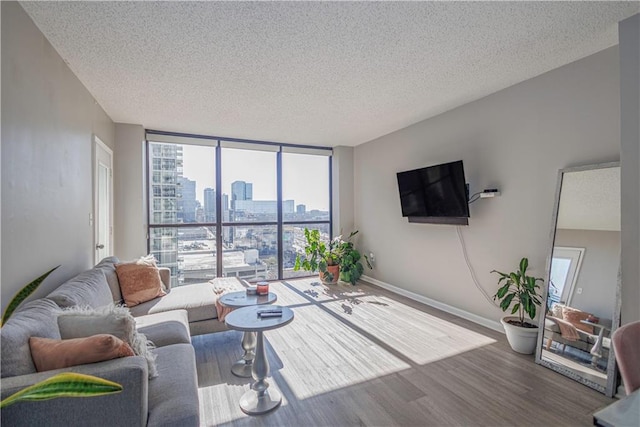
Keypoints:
pixel 260 399
pixel 242 368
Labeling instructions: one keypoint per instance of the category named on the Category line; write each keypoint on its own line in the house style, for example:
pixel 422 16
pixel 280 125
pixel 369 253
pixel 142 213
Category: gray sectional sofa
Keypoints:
pixel 170 399
pixel 198 300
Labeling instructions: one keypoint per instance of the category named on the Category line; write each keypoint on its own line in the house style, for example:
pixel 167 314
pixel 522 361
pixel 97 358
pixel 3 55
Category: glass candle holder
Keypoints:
pixel 262 288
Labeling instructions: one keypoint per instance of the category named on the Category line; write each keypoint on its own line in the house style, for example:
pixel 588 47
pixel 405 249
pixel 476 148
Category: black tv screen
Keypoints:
pixel 434 191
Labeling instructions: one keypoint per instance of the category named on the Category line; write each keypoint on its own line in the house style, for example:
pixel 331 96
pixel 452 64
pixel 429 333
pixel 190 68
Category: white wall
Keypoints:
pixel 598 276
pixel 515 140
pixel 130 192
pixel 629 35
pixel 48 123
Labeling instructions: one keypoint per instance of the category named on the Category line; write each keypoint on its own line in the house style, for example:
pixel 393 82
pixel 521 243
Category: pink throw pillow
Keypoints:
pixel 574 316
pixel 139 283
pixel 48 354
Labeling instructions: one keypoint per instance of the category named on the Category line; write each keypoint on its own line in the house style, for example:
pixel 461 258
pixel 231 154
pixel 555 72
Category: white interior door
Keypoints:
pixel 565 268
pixel 103 199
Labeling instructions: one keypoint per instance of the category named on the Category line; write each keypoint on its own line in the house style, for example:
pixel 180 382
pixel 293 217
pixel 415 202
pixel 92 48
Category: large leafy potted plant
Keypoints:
pixel 337 259
pixel 320 256
pixel 518 291
pixel 350 265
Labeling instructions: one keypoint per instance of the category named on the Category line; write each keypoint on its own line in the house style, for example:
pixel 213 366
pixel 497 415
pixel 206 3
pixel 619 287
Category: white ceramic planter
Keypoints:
pixel 521 340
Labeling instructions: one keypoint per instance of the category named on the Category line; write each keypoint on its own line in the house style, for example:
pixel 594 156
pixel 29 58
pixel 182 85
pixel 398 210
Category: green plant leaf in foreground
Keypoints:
pixel 67 384
pixel 23 294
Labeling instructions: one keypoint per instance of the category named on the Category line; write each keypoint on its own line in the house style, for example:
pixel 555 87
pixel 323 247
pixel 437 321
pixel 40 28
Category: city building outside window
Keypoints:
pixel 254 234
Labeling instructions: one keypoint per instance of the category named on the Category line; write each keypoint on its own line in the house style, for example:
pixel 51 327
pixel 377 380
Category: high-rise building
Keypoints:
pixel 165 174
pixel 187 203
pixel 209 205
pixel 301 209
pixel 241 190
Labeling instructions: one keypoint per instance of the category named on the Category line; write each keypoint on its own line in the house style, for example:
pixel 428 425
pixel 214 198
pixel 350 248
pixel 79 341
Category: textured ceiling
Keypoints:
pixel 590 200
pixel 322 73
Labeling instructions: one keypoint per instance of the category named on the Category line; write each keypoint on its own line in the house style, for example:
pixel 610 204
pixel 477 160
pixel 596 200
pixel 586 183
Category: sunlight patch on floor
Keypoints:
pixel 313 289
pixel 227 395
pixel 419 336
pixel 285 295
pixel 340 357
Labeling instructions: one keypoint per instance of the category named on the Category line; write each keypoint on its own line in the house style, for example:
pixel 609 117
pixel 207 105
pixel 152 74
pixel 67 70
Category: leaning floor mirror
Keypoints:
pixel 583 285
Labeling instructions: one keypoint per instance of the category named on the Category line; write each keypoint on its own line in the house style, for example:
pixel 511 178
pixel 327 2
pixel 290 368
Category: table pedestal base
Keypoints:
pixel 260 398
pixel 242 368
pixel 254 403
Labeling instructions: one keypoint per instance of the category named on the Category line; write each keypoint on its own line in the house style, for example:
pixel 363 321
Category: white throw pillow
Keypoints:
pixel 556 310
pixel 80 322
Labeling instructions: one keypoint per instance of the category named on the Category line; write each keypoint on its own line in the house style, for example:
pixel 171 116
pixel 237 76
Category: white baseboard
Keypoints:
pixel 491 324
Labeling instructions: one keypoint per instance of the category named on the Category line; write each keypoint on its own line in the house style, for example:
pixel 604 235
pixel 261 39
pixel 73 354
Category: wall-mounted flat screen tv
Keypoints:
pixel 436 191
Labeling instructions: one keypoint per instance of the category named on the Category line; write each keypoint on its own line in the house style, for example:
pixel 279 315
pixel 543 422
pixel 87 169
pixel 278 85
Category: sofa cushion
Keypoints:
pixel 34 319
pixel 108 266
pixel 165 328
pixel 79 322
pixel 89 288
pixel 125 409
pixel 575 317
pixel 49 354
pixel 199 300
pixel 173 395
pixel 139 283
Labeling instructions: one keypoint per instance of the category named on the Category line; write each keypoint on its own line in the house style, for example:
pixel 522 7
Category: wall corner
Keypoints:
pixel 629 36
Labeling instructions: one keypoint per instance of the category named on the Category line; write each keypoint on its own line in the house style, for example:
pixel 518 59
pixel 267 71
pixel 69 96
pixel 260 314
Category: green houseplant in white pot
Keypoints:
pixel 519 292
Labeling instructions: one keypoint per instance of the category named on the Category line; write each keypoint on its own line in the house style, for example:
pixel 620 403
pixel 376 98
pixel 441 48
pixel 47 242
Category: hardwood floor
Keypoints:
pixel 362 356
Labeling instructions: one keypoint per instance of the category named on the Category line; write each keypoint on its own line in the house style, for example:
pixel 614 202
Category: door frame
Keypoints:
pixel 98 143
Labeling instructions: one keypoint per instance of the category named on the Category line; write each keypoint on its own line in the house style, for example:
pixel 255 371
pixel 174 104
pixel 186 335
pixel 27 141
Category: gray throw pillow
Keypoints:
pixel 80 322
pixel 108 267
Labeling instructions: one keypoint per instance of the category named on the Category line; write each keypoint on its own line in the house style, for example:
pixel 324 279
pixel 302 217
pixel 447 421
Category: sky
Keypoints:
pixel 305 178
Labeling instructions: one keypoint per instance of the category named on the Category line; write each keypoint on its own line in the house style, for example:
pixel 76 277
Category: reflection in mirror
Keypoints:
pixel 582 299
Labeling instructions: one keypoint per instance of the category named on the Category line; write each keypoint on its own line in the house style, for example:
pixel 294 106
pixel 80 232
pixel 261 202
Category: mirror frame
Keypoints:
pixel 612 372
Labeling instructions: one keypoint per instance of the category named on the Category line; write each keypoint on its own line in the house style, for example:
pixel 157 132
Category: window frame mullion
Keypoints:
pixel 219 219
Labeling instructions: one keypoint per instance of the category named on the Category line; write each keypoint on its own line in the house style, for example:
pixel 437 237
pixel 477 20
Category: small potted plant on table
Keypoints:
pixel 519 291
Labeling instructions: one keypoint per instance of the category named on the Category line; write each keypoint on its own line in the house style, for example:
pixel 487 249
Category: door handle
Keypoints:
pixel 99 246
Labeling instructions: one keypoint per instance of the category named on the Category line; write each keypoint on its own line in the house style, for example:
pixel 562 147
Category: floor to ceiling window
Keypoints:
pixel 305 203
pixel 222 207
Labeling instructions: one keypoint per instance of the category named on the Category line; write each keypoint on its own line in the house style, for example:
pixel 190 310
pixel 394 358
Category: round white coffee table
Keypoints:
pixel 242 368
pixel 260 399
